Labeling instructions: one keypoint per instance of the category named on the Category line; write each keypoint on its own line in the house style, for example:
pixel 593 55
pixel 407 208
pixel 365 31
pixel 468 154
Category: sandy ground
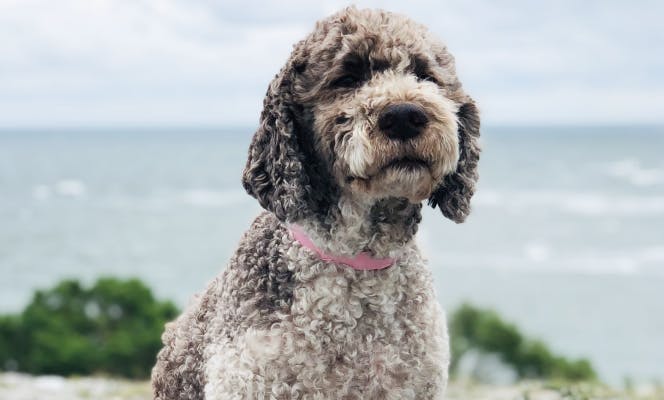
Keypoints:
pixel 25 387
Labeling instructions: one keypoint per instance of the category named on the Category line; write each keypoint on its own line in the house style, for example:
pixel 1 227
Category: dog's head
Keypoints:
pixel 367 106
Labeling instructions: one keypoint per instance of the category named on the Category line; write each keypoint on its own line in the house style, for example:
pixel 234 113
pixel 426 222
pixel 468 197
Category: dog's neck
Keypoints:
pixel 383 228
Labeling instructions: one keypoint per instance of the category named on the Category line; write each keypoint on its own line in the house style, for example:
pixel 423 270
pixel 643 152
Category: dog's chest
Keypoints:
pixel 353 308
pixel 357 334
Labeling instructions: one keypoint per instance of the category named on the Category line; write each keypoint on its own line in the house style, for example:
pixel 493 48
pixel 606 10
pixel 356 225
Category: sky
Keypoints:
pixel 109 63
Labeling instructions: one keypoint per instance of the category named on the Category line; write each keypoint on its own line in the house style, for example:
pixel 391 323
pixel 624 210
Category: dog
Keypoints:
pixel 327 295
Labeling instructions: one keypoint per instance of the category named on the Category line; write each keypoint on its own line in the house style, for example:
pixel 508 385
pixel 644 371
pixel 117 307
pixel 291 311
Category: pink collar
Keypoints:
pixel 363 261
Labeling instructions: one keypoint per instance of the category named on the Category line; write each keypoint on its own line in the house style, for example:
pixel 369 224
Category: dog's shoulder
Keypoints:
pixel 266 229
pixel 257 277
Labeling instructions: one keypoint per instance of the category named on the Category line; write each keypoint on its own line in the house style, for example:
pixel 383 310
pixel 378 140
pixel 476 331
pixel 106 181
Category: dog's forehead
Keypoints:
pixel 374 35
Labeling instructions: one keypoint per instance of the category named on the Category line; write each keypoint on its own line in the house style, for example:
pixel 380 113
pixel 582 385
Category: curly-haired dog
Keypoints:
pixel 328 296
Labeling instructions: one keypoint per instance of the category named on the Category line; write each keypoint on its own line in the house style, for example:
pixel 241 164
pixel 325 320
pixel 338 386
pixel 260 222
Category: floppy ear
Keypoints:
pixel 274 172
pixel 454 193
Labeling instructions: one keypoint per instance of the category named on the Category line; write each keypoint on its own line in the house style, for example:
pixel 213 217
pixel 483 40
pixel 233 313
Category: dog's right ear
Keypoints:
pixel 274 172
pixel 454 194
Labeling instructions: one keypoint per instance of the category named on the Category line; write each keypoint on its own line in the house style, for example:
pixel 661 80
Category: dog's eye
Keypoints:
pixel 346 81
pixel 342 119
pixel 424 76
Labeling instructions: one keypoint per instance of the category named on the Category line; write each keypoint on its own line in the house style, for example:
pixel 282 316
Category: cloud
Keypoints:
pixel 130 62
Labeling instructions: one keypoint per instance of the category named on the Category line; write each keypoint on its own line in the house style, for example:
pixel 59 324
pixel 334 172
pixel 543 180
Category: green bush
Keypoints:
pixel 484 331
pixel 113 327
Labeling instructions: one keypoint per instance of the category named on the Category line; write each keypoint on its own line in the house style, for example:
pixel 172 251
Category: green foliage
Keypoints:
pixel 113 327
pixel 483 330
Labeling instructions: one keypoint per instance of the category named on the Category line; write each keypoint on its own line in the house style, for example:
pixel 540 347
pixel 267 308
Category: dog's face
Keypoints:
pixel 368 106
pixel 381 114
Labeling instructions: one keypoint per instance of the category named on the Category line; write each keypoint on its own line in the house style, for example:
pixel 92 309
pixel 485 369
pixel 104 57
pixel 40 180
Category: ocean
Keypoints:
pixel 566 238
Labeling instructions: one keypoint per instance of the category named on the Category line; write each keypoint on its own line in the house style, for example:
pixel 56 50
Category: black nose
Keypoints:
pixel 402 121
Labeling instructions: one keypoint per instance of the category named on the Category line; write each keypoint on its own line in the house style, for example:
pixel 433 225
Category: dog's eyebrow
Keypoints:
pixel 422 68
pixel 419 64
pixel 355 64
pixel 378 65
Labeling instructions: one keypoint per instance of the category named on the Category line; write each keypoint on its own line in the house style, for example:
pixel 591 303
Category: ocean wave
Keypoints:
pixel 580 203
pixel 631 171
pixel 546 257
pixel 64 188
pixel 70 188
pixel 158 199
pixel 537 251
pixel 161 200
pixel 635 261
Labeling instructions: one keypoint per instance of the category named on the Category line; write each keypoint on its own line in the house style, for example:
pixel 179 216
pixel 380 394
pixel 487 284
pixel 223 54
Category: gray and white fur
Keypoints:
pixel 366 120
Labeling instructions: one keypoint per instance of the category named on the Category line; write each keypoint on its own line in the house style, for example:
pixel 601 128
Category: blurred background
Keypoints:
pixel 124 127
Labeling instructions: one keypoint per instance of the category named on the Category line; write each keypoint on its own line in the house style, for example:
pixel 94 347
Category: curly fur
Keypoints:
pixel 280 323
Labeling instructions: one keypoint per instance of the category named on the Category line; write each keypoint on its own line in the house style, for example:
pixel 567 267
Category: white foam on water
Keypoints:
pixel 537 252
pixel 631 171
pixel 653 254
pixel 70 188
pixel 167 199
pixel 578 203
pixel 63 188
pixel 599 264
pixel 541 256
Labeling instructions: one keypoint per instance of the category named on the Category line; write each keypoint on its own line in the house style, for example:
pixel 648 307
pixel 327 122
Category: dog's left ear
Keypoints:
pixel 454 193
pixel 274 173
pixel 283 172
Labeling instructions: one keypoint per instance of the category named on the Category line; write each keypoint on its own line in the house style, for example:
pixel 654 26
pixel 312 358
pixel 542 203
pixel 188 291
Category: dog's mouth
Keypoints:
pixel 406 164
pixel 408 176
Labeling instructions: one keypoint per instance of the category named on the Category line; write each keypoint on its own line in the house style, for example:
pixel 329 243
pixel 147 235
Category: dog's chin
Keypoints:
pixel 406 179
